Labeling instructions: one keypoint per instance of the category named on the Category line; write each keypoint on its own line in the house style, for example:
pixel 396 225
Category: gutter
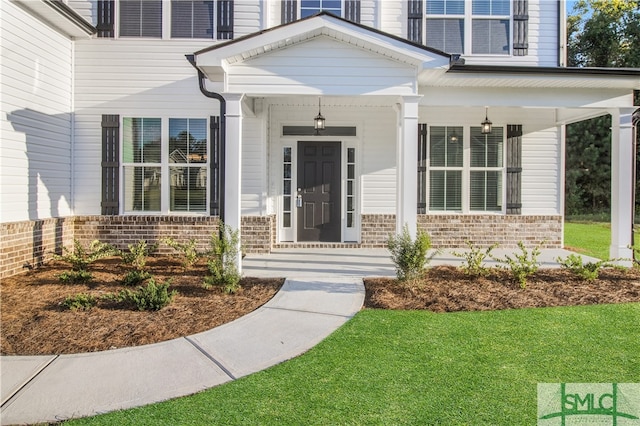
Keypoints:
pixel 223 137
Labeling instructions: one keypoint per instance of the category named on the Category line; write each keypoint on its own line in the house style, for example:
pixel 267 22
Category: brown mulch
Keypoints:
pixel 35 323
pixel 448 289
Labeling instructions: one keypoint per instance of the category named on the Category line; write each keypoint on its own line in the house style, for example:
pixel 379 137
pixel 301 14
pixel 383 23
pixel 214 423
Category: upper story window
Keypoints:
pixel 291 9
pixel 203 19
pixel 469 27
pixel 310 7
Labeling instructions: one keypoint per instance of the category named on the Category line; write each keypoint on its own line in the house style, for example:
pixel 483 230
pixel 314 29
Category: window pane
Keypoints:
pixel 188 188
pixel 446 147
pixel 445 190
pixel 486 191
pixel 187 140
pixel 486 150
pixel 448 7
pixel 141 18
pixel 192 18
pixel 490 36
pixel 286 154
pixel 141 188
pixel 310 7
pixel 351 155
pixel 446 34
pixel 141 140
pixel 491 7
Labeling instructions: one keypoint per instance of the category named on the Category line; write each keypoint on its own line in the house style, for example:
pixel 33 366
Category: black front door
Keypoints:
pixel 319 191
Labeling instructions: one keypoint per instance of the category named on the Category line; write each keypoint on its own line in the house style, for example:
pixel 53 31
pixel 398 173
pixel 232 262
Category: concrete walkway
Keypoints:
pixel 323 290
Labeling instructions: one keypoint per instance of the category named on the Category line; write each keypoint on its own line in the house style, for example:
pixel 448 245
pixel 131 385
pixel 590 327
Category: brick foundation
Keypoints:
pixel 452 231
pixel 30 243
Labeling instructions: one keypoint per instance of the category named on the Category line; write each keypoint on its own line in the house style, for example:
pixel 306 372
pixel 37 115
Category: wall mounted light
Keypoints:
pixel 454 136
pixel 318 122
pixel 486 124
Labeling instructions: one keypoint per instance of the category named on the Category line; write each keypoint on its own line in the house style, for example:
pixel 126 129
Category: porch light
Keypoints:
pixel 318 122
pixel 486 124
pixel 454 136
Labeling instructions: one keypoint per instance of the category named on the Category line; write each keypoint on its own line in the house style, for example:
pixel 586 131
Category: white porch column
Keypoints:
pixel 622 158
pixel 407 164
pixel 233 165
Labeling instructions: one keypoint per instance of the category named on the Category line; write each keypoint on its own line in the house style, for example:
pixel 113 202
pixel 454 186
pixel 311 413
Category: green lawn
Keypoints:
pixel 410 367
pixel 591 239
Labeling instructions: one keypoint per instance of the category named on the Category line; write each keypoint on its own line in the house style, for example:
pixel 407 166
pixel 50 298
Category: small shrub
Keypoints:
pixel 522 265
pixel 135 277
pixel 138 253
pixel 409 256
pixel 81 301
pixel 222 261
pixel 187 250
pixel 586 270
pixel 80 257
pixel 75 277
pixel 153 297
pixel 474 259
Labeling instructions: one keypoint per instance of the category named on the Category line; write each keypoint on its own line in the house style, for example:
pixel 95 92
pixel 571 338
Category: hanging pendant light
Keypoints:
pixel 486 124
pixel 318 122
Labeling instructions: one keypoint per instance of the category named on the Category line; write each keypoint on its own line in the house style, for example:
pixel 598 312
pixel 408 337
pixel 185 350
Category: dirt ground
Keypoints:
pixel 34 322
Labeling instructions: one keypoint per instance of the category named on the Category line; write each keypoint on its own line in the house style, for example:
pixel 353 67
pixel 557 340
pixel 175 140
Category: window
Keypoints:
pixel 286 187
pixel 351 187
pixel 165 174
pixel 485 180
pixel 465 169
pixel 192 18
pixel 142 172
pixel 454 27
pixel 446 146
pixel 310 7
pixel 187 158
pixel 141 18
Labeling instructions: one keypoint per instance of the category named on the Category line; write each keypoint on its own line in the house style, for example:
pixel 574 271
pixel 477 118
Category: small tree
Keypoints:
pixel 222 262
pixel 79 258
pixel 409 255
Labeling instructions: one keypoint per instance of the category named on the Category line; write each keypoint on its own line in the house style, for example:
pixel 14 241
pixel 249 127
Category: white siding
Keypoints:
pixel 369 13
pixel 85 8
pixel 541 172
pixel 134 78
pixel 248 16
pixel 321 66
pixel 36 106
pixel 393 17
pixel 254 163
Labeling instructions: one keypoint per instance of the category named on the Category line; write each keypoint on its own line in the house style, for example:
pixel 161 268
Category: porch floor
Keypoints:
pixel 358 262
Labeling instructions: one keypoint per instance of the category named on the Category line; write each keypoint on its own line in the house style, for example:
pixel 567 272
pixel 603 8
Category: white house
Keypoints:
pixel 136 119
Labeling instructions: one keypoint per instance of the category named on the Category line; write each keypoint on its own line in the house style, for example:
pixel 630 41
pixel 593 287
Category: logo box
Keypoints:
pixel 568 404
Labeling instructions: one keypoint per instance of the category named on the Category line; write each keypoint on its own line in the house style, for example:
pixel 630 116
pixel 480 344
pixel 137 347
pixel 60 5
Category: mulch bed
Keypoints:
pixel 35 323
pixel 448 289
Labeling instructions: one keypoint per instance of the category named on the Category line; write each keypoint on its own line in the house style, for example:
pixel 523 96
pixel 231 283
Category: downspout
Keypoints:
pixel 223 139
pixel 636 121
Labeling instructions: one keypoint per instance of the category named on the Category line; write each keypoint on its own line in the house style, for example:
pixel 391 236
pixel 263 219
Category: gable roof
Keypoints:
pixel 60 16
pixel 213 59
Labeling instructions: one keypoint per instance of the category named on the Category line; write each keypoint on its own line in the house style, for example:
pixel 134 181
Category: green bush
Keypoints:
pixel 81 301
pixel 187 250
pixel 75 277
pixel 138 253
pixel 135 277
pixel 474 259
pixel 79 258
pixel 586 270
pixel 222 262
pixel 522 265
pixel 153 297
pixel 409 256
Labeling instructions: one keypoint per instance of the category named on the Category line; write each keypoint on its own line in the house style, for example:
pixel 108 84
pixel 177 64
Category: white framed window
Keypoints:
pixel 469 27
pixel 465 170
pixel 310 7
pixel 192 19
pixel 140 18
pixel 165 165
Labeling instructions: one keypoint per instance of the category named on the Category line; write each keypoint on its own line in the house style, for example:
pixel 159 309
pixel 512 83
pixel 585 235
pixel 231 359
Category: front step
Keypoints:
pixel 317 245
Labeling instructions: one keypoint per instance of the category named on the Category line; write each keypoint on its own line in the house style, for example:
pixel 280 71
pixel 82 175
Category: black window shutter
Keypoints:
pixel 214 155
pixel 352 10
pixel 422 168
pixel 110 165
pixel 289 10
pixel 105 19
pixel 520 27
pixel 225 19
pixel 514 168
pixel 416 12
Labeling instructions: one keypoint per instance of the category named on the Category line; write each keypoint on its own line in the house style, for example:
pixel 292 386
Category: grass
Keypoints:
pixel 588 238
pixel 415 367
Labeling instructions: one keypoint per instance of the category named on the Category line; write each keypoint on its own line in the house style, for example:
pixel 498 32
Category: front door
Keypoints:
pixel 318 203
